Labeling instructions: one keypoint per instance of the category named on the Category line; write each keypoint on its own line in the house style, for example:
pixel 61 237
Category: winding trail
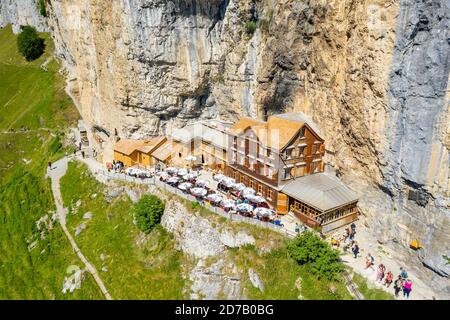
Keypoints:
pixel 58 170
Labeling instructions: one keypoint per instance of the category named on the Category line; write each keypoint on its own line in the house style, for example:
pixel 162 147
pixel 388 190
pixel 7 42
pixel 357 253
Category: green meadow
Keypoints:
pixel 34 113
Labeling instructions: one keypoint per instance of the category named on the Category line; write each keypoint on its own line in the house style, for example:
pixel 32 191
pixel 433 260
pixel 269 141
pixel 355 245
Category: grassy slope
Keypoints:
pixel 147 271
pixel 276 269
pixel 33 98
pixel 371 293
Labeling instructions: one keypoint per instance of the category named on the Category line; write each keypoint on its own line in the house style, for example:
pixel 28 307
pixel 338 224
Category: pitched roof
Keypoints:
pixel 128 146
pixel 320 190
pixel 278 130
pixel 164 151
pixel 201 131
pixel 243 124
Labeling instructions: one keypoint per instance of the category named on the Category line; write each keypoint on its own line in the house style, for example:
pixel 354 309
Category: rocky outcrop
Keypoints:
pixel 219 280
pixel 215 275
pixel 372 74
pixel 20 13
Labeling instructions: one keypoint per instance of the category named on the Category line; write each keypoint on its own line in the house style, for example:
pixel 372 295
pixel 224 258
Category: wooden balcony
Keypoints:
pixel 256 175
pixel 309 221
pixel 327 221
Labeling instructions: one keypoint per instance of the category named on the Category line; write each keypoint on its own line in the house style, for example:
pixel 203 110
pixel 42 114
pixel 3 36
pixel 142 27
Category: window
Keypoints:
pixel 241 160
pixel 252 165
pixel 302 132
pixel 270 173
pixel 252 184
pixel 315 167
pixel 270 194
pixel 234 156
pixel 241 180
pixel 288 153
pixel 260 188
pixel 287 173
pixel 179 155
pixel 301 149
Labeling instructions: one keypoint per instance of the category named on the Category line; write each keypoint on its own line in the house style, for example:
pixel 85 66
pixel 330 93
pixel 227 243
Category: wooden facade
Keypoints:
pixel 267 155
pixel 137 152
pixel 325 221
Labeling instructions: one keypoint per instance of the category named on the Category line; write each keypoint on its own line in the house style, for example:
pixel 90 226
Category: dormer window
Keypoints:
pixel 302 132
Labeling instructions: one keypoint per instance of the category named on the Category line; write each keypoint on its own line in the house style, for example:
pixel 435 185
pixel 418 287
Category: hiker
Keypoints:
pixel 50 165
pixel 398 285
pixel 352 234
pixel 355 249
pixel 407 287
pixel 388 279
pixel 403 273
pixel 380 272
pixel 369 261
pixel 346 234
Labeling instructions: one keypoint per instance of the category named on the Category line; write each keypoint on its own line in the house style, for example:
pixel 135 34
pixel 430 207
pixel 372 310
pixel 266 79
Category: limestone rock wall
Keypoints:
pixel 372 73
pixel 21 12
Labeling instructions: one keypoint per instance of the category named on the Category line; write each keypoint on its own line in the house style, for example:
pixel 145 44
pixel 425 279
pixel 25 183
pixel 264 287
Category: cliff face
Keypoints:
pixel 373 74
pixel 21 12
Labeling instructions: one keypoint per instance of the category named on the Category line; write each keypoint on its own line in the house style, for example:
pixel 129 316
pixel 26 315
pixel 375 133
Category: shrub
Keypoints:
pixel 250 27
pixel 29 44
pixel 309 249
pixel 148 212
pixel 42 8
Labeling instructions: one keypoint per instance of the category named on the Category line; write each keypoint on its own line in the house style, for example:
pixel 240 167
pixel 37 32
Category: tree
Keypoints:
pixel 309 249
pixel 148 212
pixel 29 44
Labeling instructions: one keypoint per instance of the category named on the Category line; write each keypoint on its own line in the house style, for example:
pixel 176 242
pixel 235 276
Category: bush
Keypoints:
pixel 148 212
pixel 250 27
pixel 42 8
pixel 29 44
pixel 309 249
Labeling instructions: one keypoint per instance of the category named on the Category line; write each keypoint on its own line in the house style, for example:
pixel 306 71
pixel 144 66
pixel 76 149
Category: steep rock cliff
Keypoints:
pixel 373 74
pixel 21 12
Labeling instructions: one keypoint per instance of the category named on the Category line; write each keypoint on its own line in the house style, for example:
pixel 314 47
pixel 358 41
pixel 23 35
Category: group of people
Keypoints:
pixel 402 282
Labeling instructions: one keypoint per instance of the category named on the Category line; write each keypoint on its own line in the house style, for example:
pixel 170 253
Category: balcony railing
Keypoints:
pixel 271 181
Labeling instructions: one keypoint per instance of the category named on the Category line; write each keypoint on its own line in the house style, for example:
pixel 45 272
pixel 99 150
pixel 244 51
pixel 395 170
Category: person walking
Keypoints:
pixel 369 261
pixel 407 288
pixel 82 153
pixel 297 228
pixel 380 272
pixel 355 249
pixel 398 285
pixel 403 273
pixel 388 279
pixel 50 165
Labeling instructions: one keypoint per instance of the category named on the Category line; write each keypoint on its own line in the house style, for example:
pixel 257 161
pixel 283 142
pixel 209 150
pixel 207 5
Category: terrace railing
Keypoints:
pixel 188 197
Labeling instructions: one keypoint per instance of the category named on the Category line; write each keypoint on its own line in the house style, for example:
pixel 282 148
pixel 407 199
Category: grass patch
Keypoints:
pixel 280 275
pixel 37 273
pixel 139 266
pixel 31 98
pixel 371 293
